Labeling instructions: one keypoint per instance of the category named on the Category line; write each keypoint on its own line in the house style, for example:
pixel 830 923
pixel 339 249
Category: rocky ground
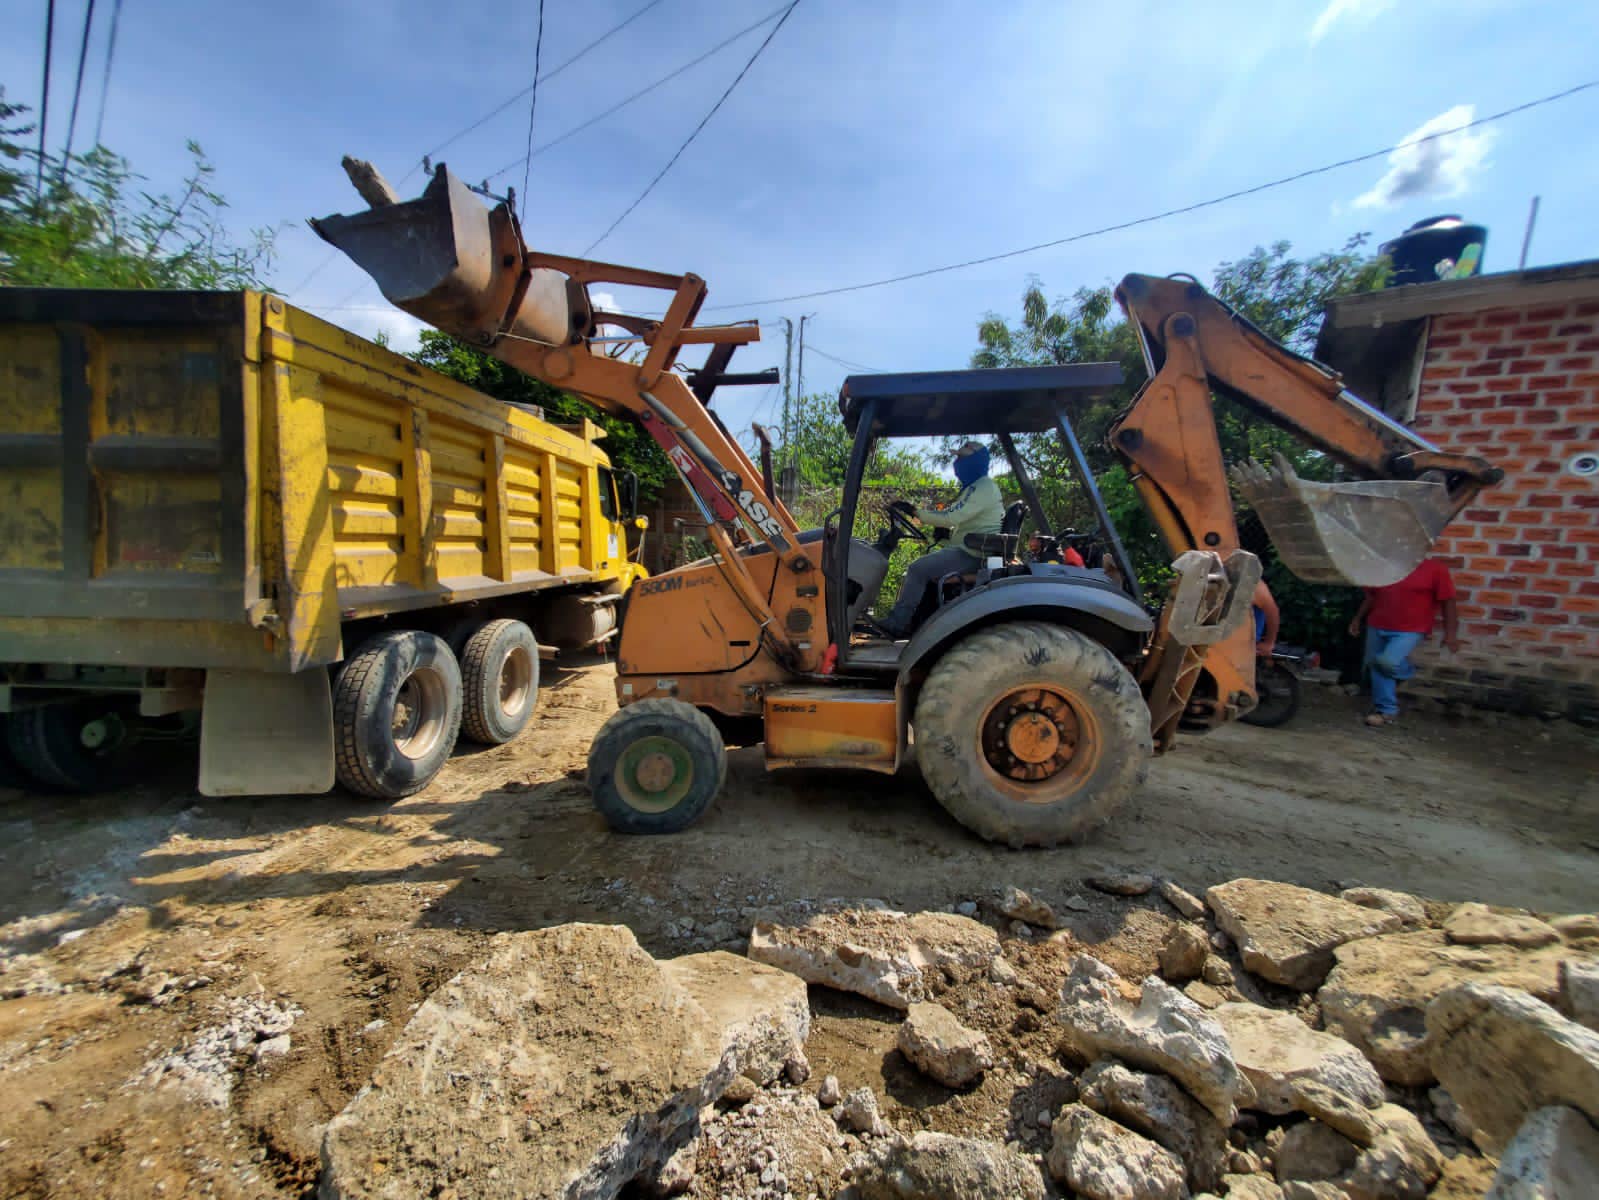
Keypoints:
pixel 194 990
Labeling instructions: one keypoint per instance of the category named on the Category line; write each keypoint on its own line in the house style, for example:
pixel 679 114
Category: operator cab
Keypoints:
pixel 1051 565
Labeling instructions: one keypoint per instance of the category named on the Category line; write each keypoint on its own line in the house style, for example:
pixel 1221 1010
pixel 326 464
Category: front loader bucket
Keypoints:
pixel 453 263
pixel 1368 533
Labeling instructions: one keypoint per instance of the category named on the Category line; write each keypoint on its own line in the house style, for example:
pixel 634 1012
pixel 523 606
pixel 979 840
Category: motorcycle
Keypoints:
pixel 1277 686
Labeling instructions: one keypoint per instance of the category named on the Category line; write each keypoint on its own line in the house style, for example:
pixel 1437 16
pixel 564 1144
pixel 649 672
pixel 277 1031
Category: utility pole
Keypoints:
pixel 800 375
pixel 788 375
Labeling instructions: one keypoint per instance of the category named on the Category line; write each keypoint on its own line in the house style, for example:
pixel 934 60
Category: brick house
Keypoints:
pixel 1504 366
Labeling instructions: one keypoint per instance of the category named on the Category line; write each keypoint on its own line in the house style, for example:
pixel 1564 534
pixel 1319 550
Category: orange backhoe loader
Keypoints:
pixel 1033 692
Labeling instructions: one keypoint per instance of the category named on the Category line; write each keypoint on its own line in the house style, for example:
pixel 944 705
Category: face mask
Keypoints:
pixel 971 468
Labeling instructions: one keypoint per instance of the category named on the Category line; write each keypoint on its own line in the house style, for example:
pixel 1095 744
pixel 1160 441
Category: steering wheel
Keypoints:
pixel 904 526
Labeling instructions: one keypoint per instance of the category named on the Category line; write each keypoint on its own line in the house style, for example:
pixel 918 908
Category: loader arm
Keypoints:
pixel 1368 533
pixel 464 269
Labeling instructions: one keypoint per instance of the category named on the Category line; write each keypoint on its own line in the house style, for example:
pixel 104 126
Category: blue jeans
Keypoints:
pixel 1388 660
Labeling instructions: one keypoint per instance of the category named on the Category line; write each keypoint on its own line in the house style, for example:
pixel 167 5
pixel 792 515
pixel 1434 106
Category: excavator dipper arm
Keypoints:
pixel 1368 532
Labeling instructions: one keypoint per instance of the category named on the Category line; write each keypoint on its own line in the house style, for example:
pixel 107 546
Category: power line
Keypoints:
pixel 77 88
pixel 688 141
pixel 537 79
pixel 570 133
pixel 1171 212
pixel 844 362
pixel 105 80
pixel 533 106
pixel 44 101
pixel 642 92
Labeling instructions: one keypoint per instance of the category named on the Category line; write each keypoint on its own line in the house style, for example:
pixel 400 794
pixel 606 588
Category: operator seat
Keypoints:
pixel 1000 545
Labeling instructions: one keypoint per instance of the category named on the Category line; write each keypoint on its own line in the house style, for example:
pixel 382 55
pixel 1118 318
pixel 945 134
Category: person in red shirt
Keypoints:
pixel 1398 617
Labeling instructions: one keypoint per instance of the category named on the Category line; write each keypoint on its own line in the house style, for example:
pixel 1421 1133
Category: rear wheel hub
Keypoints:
pixel 1031 734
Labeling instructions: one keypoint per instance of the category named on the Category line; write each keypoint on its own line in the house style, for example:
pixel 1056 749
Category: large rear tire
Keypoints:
pixel 74 746
pixel 396 714
pixel 655 767
pixel 1031 734
pixel 500 681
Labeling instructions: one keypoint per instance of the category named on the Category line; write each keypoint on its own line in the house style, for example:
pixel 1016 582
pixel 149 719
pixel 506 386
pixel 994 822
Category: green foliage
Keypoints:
pixel 91 225
pixel 1285 297
pixel 626 444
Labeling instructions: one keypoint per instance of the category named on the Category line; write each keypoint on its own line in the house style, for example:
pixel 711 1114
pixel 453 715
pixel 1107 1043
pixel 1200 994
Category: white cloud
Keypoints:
pixel 1360 11
pixel 1425 164
pixel 608 303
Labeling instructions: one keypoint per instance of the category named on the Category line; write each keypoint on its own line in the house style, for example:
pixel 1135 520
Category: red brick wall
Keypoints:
pixel 1520 386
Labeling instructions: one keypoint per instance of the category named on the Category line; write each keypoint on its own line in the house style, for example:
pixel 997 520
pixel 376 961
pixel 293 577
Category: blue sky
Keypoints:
pixel 869 139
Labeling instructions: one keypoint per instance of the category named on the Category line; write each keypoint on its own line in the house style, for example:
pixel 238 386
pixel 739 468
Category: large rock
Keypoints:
pixel 885 956
pixel 1554 1156
pixel 1395 1159
pixel 1287 934
pixel 764 1013
pixel 1160 1110
pixel 1503 1055
pixel 1183 956
pixel 1403 905
pixel 1377 994
pixel 1100 1160
pixel 569 1062
pixel 941 1047
pixel 1274 1050
pixel 940 1166
pixel 1165 1031
pixel 1478 925
pixel 1579 990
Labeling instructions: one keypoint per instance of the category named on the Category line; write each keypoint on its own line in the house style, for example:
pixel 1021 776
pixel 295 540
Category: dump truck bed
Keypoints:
pixel 217 479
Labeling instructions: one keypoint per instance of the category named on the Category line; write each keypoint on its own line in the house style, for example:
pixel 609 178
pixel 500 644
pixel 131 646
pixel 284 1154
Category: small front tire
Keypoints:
pixel 656 766
pixel 500 681
pixel 396 714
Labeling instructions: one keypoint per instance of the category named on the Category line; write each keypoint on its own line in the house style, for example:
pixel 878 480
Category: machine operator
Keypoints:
pixel 978 509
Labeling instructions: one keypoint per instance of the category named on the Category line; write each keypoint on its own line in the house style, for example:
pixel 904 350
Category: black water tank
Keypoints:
pixel 1437 248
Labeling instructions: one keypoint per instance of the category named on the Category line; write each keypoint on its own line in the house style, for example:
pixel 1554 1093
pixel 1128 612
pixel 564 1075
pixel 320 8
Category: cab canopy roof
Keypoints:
pixel 993 400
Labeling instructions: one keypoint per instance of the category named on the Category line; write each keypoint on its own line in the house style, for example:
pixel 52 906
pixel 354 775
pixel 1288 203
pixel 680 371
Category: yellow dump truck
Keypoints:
pixel 215 507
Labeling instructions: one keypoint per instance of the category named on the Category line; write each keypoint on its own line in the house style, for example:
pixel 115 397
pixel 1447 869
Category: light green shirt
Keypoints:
pixel 978 509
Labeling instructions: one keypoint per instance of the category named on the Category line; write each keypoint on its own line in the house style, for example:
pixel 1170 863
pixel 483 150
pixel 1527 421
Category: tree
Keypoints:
pixel 1285 297
pixel 84 221
pixel 626 444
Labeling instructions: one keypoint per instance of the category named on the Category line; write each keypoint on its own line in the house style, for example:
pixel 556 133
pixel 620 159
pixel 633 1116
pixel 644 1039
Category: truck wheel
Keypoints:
pixel 396 714
pixel 1031 734
pixel 656 766
pixel 1276 694
pixel 76 746
pixel 500 679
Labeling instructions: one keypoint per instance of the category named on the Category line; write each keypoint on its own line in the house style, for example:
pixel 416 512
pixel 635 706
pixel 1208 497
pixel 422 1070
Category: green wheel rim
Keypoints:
pixel 654 774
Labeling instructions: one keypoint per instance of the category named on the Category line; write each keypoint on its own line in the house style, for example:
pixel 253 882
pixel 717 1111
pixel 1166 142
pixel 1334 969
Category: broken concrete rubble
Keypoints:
pixel 1503 1054
pixel 764 1013
pixel 1124 883
pixel 1579 990
pixel 1020 906
pixel 1399 1162
pixel 940 1166
pixel 1100 1160
pixel 941 1047
pixel 1275 1049
pixel 1165 1031
pixel 1287 934
pixel 1184 901
pixel 570 1062
pixel 858 1112
pixel 1158 1108
pixel 1377 995
pixel 885 956
pixel 1403 905
pixel 1554 1156
pixel 1478 925
pixel 1183 956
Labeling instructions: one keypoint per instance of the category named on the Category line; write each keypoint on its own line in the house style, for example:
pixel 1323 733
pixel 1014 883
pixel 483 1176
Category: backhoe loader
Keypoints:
pixel 1033 693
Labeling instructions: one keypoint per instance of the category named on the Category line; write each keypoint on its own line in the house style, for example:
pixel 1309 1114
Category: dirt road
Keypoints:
pixel 155 945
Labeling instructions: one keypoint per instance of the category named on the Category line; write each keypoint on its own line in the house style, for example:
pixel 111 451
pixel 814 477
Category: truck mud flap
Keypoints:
pixel 265 733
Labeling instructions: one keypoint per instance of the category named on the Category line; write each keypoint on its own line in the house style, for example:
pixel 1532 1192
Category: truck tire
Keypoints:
pixel 1031 734
pixel 1277 693
pixel 74 746
pixel 499 681
pixel 656 766
pixel 396 714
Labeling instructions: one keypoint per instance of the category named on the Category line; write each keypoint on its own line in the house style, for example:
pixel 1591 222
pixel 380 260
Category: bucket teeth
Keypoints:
pixel 1368 533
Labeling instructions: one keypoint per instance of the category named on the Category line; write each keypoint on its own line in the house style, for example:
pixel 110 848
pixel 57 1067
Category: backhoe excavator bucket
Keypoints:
pixel 1367 533
pixel 453 263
